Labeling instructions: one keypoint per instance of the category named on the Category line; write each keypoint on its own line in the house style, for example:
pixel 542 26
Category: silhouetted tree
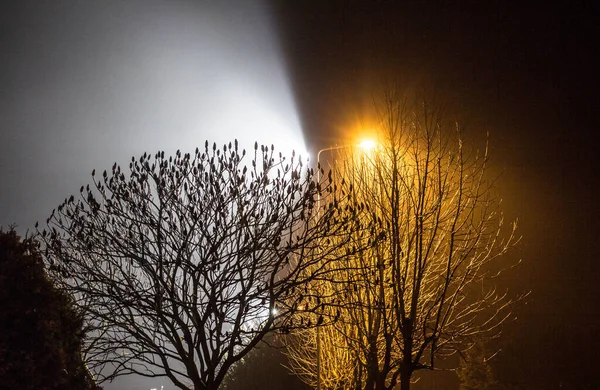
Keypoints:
pixel 40 331
pixel 424 290
pixel 184 264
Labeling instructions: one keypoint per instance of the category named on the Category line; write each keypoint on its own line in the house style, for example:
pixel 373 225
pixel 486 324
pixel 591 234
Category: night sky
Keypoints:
pixel 83 84
pixel 526 74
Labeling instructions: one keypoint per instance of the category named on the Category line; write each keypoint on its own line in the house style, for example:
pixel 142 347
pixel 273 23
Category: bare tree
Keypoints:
pixel 424 291
pixel 184 264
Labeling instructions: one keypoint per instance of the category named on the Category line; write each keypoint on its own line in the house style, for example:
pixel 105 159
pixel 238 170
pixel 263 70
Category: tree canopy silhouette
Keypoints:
pixel 182 265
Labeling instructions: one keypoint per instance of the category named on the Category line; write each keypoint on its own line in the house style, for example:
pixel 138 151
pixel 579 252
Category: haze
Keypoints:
pixel 90 83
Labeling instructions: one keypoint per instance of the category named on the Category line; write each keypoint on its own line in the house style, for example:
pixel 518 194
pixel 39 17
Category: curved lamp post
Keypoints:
pixel 366 146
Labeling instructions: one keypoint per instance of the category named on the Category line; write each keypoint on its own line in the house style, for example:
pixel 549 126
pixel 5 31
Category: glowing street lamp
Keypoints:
pixel 366 145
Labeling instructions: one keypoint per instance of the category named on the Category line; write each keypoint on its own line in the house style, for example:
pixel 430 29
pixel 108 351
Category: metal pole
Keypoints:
pixel 318 213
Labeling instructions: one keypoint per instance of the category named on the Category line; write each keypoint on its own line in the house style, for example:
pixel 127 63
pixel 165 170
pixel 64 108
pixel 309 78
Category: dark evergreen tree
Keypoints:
pixel 40 332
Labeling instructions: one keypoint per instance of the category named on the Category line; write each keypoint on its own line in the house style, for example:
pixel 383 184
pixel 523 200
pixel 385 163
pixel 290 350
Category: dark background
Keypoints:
pixel 527 73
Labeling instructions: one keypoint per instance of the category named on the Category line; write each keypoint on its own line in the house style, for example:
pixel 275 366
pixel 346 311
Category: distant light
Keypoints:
pixel 367 145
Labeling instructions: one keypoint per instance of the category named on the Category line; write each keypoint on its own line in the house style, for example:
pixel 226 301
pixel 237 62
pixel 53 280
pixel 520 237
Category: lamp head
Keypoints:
pixel 367 145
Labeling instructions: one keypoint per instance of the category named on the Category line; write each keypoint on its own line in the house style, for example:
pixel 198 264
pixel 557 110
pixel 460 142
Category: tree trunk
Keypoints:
pixel 406 366
pixel 380 384
pixel 372 365
pixel 405 374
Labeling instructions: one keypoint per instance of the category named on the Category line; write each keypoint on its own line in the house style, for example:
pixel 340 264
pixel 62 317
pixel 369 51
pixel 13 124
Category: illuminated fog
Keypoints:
pixel 135 77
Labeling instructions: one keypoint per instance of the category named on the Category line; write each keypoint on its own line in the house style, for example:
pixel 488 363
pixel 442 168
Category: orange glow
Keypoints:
pixel 367 145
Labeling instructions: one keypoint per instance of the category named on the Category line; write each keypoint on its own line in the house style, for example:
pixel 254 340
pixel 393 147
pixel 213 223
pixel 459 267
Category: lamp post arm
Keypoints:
pixel 326 150
pixel 331 148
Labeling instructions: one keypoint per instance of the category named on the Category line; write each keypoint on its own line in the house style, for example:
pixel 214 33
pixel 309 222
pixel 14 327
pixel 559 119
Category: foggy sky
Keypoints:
pixel 85 84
